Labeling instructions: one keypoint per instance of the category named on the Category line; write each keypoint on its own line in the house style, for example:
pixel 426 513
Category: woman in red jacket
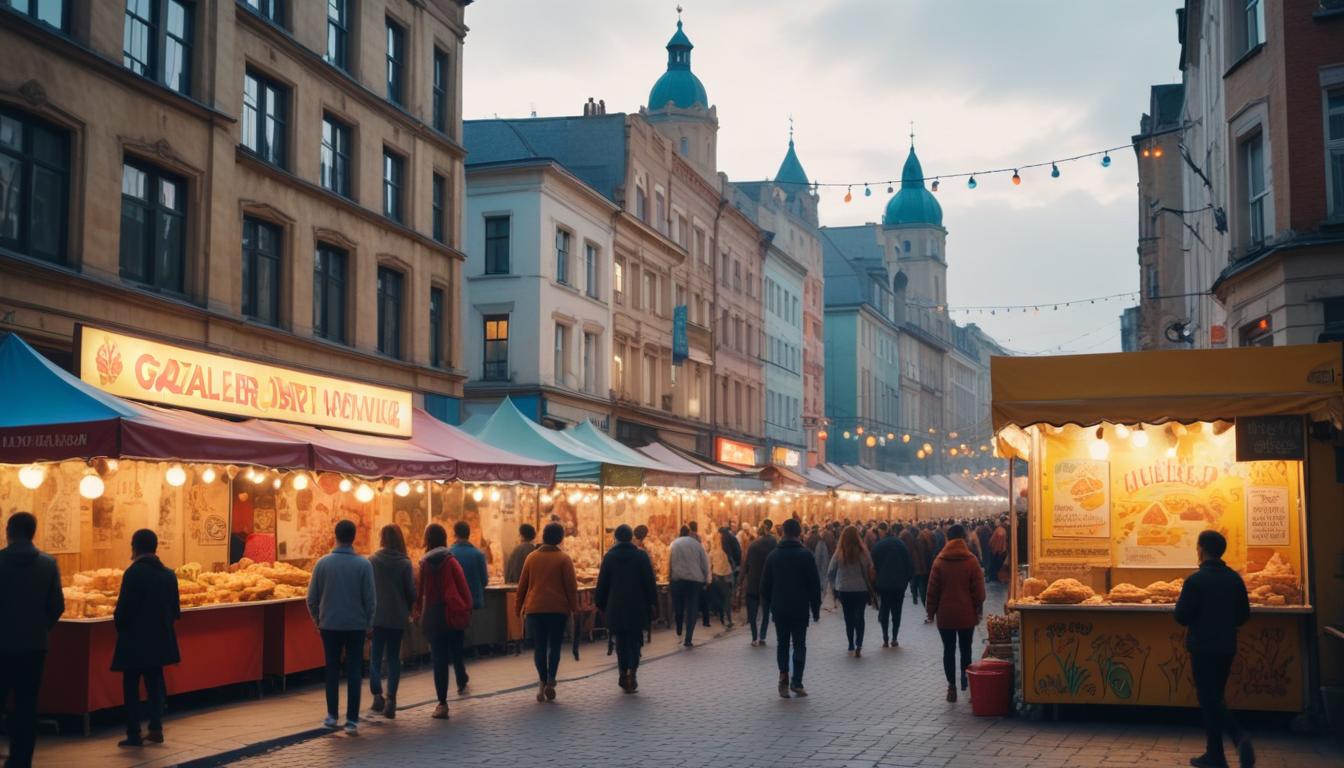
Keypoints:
pixel 956 599
pixel 443 604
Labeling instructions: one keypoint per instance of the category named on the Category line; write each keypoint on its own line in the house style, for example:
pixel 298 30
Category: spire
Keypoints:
pixel 679 47
pixel 678 84
pixel 912 135
pixel 791 174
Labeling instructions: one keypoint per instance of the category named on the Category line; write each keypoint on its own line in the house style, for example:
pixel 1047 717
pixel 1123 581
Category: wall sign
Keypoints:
pixel 1082 503
pixel 786 457
pixel 732 452
pixel 681 345
pixel 1267 516
pixel 1271 438
pixel 140 369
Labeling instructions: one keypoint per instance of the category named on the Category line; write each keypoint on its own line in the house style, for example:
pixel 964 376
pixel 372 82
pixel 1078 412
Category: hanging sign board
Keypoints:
pixel 151 371
pixel 1271 438
pixel 681 347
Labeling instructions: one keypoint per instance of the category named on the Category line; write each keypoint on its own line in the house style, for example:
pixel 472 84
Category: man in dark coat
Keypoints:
pixel 1212 605
pixel 791 588
pixel 30 605
pixel 527 541
pixel 146 609
pixel 628 597
pixel 753 565
pixel 894 569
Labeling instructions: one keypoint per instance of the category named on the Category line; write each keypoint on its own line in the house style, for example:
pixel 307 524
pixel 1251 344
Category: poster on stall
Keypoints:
pixel 1081 507
pixel 57 508
pixel 206 521
pixel 1169 502
pixel 1266 516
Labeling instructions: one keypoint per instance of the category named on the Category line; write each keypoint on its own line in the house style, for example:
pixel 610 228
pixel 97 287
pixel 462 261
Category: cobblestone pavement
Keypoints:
pixel 716 705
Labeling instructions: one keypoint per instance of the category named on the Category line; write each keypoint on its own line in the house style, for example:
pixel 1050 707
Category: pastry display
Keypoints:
pixel 1165 591
pixel 1275 584
pixel 1033 586
pixel 1065 592
pixel 93 594
pixel 1127 593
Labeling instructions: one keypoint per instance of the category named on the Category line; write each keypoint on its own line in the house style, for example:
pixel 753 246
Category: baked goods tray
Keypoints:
pixel 193 609
pixel 1149 608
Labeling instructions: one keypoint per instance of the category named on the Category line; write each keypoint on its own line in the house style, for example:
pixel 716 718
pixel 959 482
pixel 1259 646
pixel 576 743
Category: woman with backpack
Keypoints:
pixel 444 608
pixel 548 593
pixel 850 576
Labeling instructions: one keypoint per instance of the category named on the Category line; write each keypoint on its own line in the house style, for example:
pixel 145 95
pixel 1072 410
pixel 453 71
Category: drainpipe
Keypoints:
pixel 714 326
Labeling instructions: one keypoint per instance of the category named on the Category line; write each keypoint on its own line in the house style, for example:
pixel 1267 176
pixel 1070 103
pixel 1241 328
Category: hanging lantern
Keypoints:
pixel 822 435
pixel 91 485
pixel 345 485
pixel 176 476
pixel 849 194
pixel 935 185
pixel 1106 160
pixel 402 489
pixel 208 475
pixel 870 442
pixel 364 493
pixel 477 495
pixel 31 476
pixel 1017 178
pixel 494 494
pixel 1054 171
pixel 300 481
pixel 970 183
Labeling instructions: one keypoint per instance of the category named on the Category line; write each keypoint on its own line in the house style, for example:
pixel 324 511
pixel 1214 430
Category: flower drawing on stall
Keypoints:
pixel 1120 660
pixel 108 360
pixel 1063 641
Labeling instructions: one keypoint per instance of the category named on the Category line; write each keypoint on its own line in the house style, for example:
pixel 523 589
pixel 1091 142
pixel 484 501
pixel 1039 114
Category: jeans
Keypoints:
pixel 722 591
pixel 21 674
pixel 919 588
pixel 685 598
pixel 753 604
pixel 627 649
pixel 791 632
pixel 386 643
pixel 445 647
pixel 854 605
pixel 351 641
pixel 548 636
pixel 889 610
pixel 951 639
pixel 1210 671
pixel 154 695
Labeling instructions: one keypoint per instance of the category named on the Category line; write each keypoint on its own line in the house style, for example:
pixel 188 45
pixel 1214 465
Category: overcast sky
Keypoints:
pixel 988 84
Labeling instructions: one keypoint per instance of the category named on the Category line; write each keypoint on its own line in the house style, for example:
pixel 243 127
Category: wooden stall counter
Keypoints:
pixel 292 643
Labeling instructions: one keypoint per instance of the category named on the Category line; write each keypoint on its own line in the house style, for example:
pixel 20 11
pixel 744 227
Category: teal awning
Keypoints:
pixel 508 429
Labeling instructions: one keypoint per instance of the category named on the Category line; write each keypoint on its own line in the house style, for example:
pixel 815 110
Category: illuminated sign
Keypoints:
pixel 140 369
pixel 732 452
pixel 786 457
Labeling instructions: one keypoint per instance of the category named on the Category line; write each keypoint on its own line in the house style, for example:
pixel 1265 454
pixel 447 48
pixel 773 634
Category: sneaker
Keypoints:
pixel 951 694
pixel 462 689
pixel 440 712
pixel 351 727
pixel 331 722
pixel 541 693
pixel 886 644
pixel 634 681
pixel 131 741
pixel 1245 753
pixel 762 642
pixel 858 652
pixel 798 690
pixel 157 737
pixel 895 644
pixel 1204 761
pixel 624 682
pixel 378 703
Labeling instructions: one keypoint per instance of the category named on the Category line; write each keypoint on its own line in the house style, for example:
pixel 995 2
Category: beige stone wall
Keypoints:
pixel 78 83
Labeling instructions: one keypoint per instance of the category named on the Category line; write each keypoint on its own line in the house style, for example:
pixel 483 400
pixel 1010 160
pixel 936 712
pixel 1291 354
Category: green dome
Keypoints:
pixel 791 173
pixel 913 204
pixel 678 84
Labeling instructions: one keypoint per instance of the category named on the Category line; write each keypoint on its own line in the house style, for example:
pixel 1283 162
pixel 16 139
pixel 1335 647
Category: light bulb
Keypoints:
pixel 1140 438
pixel 31 476
pixel 176 476
pixel 1106 160
pixel 575 497
pixel 277 483
pixel 905 438
pixel 891 436
pixel 1121 431
pixel 300 481
pixel 970 183
pixel 935 185
pixel 259 478
pixel 494 495
pixel 1054 171
pixel 890 189
pixel 402 489
pixel 926 448
pixel 919 454
pixel 208 475
pixel 91 485
pixel 859 430
pixel 364 493
pixel 477 495
pixel 1145 152
pixel 545 498
pixel 112 465
pixel 867 191
pixel 1171 452
pixel 849 194
pixel 1099 449
pixel 642 499
pixel 1157 151
pixel 1017 178
pixel 845 434
pixel 345 485
pixel 951 451
pixel 870 442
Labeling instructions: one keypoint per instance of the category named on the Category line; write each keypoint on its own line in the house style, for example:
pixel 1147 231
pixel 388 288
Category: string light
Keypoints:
pixel 970 183
pixel 208 475
pixel 1054 171
pixel 849 194
pixel 867 191
pixel 300 481
pixel 402 489
pixel 91 485
pixel 345 485
pixel 364 493
pixel 1017 178
pixel 1106 160
pixel 31 476
pixel 935 185
pixel 176 476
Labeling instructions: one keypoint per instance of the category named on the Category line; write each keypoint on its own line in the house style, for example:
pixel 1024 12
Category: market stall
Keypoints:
pixel 1131 456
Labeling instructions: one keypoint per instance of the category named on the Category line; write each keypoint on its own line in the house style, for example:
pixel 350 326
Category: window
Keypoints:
pixel 659 210
pixel 684 146
pixel 436 317
pixel 693 397
pixel 1154 290
pixel 1259 333
pixel 641 205
pixel 737 276
pixel 156 41
pixel 272 10
pixel 650 298
pixel 440 90
pixel 590 363
pixel 334 168
pixel 329 263
pixel 1253 20
pixel 700 253
pixel 390 283
pixel 264 118
pixel 393 174
pixel 338 33
pixel 650 374
pixel 1253 170
pixel 261 271
pixel 591 275
pixel 396 62
pixel 153 227
pixel 49 12
pixel 561 362
pixel 562 256
pixel 618 278
pixel 438 193
pixel 1334 149
pixel 496 245
pixel 34 184
pixel 496 348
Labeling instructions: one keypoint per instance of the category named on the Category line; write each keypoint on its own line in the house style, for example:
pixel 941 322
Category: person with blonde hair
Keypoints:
pixel 850 576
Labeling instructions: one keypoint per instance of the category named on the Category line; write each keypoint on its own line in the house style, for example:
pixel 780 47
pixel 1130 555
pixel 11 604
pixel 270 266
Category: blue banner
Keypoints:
pixel 681 346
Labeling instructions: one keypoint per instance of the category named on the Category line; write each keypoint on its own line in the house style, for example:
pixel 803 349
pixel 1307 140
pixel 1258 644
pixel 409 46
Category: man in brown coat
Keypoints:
pixel 918 560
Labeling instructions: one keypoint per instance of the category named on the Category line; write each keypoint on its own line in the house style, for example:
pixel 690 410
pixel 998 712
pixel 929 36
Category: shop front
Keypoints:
pixel 1130 457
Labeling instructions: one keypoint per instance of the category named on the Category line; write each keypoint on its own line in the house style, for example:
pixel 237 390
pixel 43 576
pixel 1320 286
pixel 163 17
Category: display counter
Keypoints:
pixel 1135 655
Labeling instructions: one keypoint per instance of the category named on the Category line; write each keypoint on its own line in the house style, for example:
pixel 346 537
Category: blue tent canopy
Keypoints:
pixel 37 392
pixel 509 429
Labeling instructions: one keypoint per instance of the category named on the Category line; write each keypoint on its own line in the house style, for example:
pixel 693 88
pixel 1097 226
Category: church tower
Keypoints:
pixel 792 180
pixel 914 239
pixel 679 109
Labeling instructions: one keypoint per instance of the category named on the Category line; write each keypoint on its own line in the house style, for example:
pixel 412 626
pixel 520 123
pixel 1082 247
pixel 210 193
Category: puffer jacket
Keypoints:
pixel 956 587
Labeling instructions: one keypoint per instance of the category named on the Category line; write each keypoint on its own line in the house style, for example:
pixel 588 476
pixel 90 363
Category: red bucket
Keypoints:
pixel 991 687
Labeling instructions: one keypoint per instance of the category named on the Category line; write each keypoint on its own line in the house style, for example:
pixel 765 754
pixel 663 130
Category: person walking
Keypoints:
pixel 688 573
pixel 753 565
pixel 342 600
pixel 1212 605
pixel 627 596
pixel 956 600
pixel 31 602
pixel 998 549
pixel 394 590
pixel 891 562
pixel 982 534
pixel 475 569
pixel 919 564
pixel 548 593
pixel 147 607
pixel 928 547
pixel 443 605
pixel 527 541
pixel 791 589
pixel 721 568
pixel 850 577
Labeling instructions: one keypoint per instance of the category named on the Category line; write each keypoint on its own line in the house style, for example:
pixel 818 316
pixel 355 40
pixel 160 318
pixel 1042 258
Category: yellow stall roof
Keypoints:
pixel 1169 385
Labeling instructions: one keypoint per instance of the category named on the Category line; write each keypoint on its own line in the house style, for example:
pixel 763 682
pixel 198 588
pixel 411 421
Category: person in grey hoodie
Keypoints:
pixel 31 603
pixel 394 587
pixel 342 600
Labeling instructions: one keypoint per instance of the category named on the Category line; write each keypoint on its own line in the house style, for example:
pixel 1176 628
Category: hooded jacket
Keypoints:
pixel 790 583
pixel 147 607
pixel 892 562
pixel 956 587
pixel 31 601
pixel 394 586
pixel 754 564
pixel 626 592
pixel 444 597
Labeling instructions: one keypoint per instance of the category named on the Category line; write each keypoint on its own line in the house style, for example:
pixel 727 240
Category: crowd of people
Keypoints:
pixel 781 573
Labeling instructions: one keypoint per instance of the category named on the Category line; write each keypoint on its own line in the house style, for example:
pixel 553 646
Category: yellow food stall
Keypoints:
pixel 1130 457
